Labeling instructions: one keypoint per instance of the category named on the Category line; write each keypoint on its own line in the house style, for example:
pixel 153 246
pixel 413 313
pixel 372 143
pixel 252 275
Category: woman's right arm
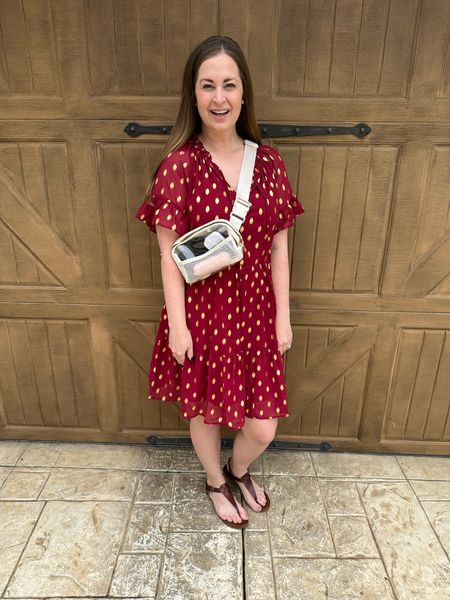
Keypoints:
pixel 180 340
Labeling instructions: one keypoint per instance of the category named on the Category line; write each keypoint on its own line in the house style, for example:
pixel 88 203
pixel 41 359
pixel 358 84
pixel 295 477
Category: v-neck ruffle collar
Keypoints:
pixel 199 147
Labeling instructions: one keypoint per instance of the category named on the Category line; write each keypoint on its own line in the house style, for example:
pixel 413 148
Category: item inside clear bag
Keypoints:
pixel 201 244
pixel 220 256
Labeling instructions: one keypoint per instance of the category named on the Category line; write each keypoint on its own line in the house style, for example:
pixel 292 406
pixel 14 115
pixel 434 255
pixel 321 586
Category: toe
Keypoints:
pixel 251 502
pixel 257 505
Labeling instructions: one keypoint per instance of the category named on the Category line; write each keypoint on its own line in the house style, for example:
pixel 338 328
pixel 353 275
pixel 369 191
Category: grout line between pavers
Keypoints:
pixel 325 557
pixel 391 583
pixel 162 564
pixel 25 546
pixel 428 519
pixel 125 531
pixel 420 504
pixel 24 499
pixel 327 516
pixel 269 537
pixel 3 485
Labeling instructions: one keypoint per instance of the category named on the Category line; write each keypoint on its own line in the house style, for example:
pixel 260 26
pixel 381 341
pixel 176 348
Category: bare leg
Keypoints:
pixel 249 443
pixel 206 441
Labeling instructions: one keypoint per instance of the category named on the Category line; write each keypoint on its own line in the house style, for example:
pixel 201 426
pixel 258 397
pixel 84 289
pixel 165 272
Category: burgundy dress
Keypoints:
pixel 237 369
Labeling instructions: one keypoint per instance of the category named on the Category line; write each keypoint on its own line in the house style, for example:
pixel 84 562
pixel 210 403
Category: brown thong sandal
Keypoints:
pixel 246 480
pixel 225 490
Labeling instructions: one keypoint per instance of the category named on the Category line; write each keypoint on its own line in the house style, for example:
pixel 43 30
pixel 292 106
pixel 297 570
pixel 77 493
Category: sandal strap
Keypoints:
pixel 245 479
pixel 225 490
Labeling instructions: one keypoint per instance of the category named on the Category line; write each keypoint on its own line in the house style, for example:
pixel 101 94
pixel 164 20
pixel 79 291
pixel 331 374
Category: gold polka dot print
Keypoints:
pixel 237 371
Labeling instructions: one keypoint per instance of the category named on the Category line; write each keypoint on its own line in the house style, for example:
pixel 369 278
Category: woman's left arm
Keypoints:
pixel 279 264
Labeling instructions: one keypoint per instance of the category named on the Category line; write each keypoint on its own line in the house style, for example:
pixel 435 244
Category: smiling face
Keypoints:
pixel 218 93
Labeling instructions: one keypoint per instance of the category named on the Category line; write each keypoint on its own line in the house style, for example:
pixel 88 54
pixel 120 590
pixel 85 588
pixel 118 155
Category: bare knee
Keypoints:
pixel 263 432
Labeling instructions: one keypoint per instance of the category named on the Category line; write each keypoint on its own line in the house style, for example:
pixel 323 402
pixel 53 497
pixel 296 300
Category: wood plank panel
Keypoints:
pixel 19 266
pixel 40 173
pixel 25 264
pixel 317 390
pixel 420 233
pixel 424 385
pixel 428 78
pixel 79 342
pixel 444 91
pixel 112 189
pixel 59 192
pixel 251 25
pixel 371 47
pixel 41 44
pixel 411 176
pixel 353 398
pixel 46 371
pixel 291 55
pixel 348 47
pixel 204 16
pixel 29 58
pixel 10 397
pixel 43 372
pixel 11 164
pixel 334 165
pixel 39 236
pixel 62 370
pixel 101 47
pixel 132 253
pixel 434 218
pixel 136 170
pixel 133 34
pixel 369 271
pixel 177 28
pixel 398 48
pixel 319 47
pixel 417 388
pixel 347 19
pixel 137 411
pixel 153 47
pixel 348 254
pixel 431 270
pixel 128 51
pixel 26 377
pixel 16 52
pixel 132 393
pixel 347 193
pixel 374 227
pixel 30 170
pixel 8 271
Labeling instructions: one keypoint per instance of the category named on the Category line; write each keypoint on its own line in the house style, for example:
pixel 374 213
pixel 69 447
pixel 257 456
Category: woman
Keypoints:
pixel 219 347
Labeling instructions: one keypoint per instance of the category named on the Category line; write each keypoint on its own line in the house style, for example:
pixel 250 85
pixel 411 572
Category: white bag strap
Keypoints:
pixel 241 204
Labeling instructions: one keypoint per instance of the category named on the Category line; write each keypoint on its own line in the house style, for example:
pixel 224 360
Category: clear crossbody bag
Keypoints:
pixel 217 244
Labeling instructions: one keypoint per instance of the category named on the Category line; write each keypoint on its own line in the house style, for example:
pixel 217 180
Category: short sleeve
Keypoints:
pixel 165 202
pixel 289 205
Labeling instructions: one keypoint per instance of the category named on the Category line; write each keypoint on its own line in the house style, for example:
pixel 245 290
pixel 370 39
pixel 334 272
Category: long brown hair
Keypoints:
pixel 188 119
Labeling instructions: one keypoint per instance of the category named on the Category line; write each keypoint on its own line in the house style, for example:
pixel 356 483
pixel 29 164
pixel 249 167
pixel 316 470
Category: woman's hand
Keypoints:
pixel 284 333
pixel 180 342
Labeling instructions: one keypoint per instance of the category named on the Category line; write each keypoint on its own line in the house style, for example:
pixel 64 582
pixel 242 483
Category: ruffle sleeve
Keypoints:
pixel 289 205
pixel 273 172
pixel 165 202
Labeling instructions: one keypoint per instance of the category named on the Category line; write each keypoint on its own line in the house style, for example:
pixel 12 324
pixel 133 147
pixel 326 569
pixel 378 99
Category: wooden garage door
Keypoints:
pixel 81 290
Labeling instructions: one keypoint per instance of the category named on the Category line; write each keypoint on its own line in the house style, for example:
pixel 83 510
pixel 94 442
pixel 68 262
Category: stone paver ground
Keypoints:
pixel 81 520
